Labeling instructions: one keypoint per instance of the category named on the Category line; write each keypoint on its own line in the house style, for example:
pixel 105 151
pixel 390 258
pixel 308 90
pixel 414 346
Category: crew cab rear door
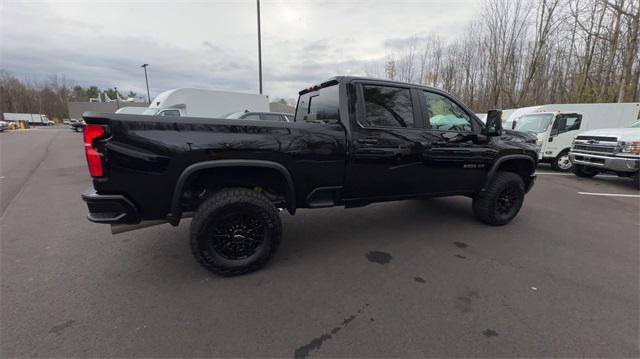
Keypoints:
pixel 387 143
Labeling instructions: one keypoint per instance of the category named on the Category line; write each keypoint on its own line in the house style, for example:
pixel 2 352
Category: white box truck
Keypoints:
pixel 557 125
pixel 205 103
pixel 31 118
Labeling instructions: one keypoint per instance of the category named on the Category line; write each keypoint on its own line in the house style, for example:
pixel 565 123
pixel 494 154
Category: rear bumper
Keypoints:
pixel 607 163
pixel 110 208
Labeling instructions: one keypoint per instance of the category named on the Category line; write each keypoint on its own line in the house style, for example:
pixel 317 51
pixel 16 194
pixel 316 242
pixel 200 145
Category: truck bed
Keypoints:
pixel 145 155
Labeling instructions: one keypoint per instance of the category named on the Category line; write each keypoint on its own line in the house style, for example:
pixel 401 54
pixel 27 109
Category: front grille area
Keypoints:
pixel 597 138
pixel 594 148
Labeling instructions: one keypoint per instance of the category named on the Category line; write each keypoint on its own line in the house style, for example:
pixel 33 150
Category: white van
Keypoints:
pixel 557 125
pixel 205 103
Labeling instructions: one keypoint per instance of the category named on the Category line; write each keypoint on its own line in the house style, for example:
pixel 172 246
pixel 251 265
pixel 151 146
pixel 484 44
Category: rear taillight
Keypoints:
pixel 94 159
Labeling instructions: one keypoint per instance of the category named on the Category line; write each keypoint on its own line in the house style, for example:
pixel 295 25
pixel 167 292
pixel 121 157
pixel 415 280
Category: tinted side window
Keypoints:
pixel 566 123
pixel 251 117
pixel 387 106
pixel 444 114
pixel 320 106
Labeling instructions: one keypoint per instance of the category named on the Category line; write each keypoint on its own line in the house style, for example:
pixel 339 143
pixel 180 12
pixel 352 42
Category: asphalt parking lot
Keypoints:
pixel 403 279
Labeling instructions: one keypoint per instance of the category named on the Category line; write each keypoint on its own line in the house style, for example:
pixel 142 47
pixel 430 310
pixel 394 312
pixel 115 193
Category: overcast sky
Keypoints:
pixel 213 44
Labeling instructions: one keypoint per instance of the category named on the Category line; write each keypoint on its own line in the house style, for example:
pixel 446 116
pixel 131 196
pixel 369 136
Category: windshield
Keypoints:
pixel 150 111
pixel 533 123
pixel 233 115
pixel 636 125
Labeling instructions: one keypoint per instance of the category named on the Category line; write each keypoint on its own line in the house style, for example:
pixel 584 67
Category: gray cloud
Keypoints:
pixel 208 45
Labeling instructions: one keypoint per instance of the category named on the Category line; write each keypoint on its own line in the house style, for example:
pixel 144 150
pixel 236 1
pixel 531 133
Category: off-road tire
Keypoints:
pixel 486 203
pixel 557 163
pixel 584 171
pixel 224 203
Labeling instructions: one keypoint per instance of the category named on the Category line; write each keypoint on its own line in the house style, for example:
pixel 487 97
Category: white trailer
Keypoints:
pixel 205 103
pixel 132 110
pixel 557 125
pixel 31 118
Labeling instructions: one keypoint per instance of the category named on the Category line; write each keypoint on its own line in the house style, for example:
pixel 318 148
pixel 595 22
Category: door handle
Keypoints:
pixel 368 141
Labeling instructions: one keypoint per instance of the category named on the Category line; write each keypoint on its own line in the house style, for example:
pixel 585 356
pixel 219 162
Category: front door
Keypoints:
pixel 458 158
pixel 565 128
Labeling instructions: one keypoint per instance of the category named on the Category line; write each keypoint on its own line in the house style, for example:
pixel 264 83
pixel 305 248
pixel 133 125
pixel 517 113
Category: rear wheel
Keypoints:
pixel 562 163
pixel 584 171
pixel 235 231
pixel 501 201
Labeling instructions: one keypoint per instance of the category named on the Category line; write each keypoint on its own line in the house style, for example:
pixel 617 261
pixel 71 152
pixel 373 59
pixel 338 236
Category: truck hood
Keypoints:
pixel 623 134
pixel 521 136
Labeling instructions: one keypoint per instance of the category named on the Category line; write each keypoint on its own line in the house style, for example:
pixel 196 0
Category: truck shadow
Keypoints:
pixel 319 234
pixel 313 233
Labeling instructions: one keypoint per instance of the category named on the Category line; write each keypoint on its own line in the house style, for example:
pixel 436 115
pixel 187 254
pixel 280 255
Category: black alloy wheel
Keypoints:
pixel 237 235
pixel 235 231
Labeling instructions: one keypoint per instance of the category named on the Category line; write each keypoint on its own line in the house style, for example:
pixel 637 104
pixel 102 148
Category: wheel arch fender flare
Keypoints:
pixel 504 159
pixel 176 212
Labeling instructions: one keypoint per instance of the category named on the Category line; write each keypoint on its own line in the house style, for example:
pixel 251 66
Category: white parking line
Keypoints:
pixel 610 194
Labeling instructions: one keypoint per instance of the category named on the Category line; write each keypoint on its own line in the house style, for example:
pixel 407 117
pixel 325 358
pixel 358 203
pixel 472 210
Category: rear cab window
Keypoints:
pixel 320 106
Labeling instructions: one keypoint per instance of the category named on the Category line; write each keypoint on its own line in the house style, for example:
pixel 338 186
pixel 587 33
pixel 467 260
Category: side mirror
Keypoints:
pixel 494 123
pixel 554 132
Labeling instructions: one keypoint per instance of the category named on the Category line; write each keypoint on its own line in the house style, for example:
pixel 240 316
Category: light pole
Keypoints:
pixel 146 79
pixel 117 98
pixel 259 48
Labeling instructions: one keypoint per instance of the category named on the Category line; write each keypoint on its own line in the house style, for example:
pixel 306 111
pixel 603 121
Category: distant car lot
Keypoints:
pixel 414 278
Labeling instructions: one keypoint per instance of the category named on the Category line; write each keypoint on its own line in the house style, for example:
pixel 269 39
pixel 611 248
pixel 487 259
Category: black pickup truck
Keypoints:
pixel 354 141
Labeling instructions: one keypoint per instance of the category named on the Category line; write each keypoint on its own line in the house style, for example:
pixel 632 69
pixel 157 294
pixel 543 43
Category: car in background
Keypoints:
pixel 4 125
pixel 263 116
pixel 613 150
pixel 76 125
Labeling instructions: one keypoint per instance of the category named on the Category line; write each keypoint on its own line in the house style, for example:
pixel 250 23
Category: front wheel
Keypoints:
pixel 501 201
pixel 562 163
pixel 584 171
pixel 235 231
